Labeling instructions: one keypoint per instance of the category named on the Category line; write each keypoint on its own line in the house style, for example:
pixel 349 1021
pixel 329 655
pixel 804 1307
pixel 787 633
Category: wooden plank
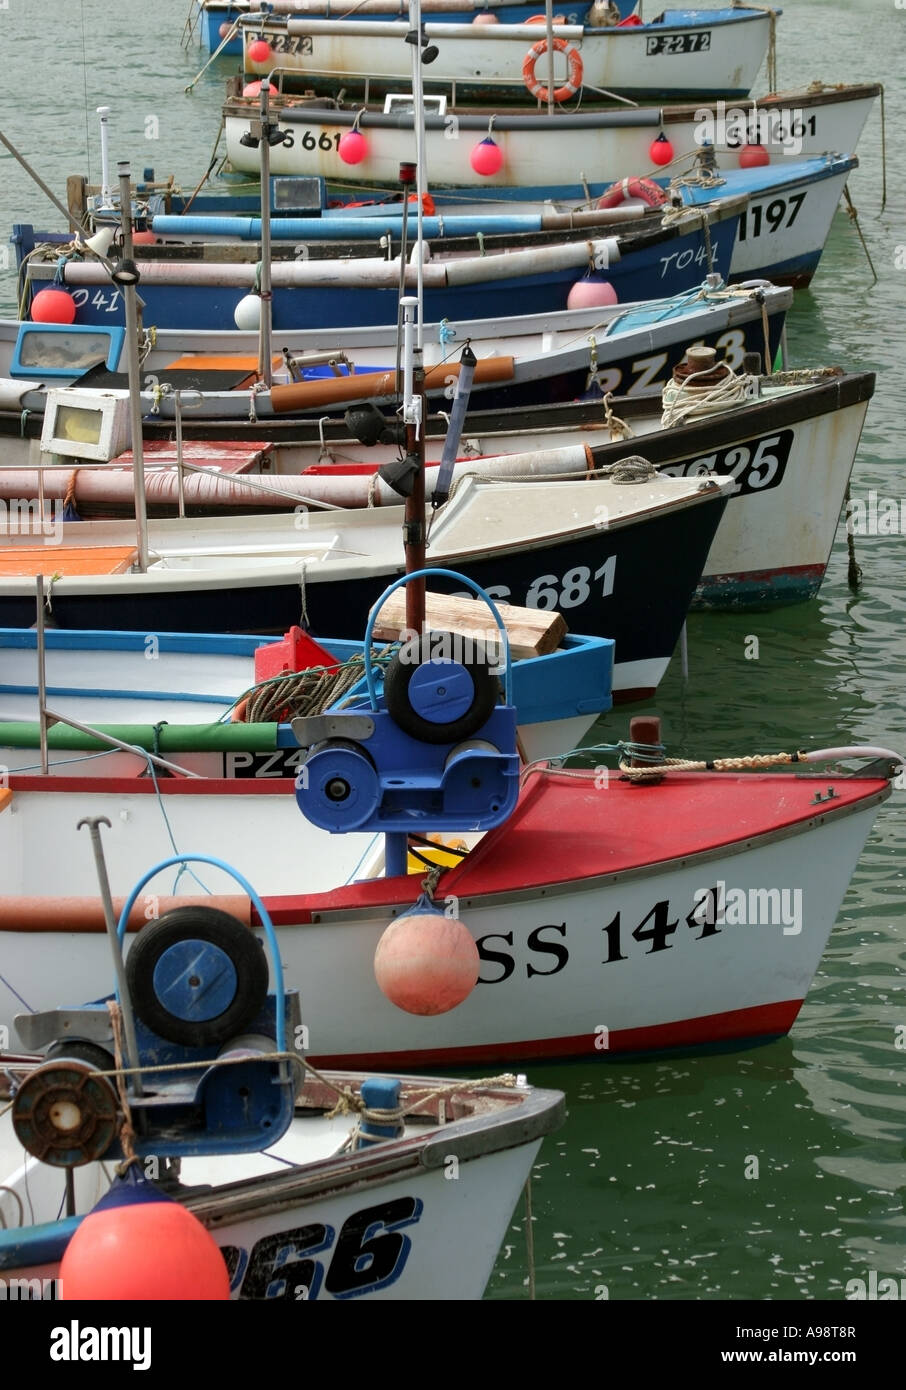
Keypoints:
pixel 75 198
pixel 532 632
pixel 66 560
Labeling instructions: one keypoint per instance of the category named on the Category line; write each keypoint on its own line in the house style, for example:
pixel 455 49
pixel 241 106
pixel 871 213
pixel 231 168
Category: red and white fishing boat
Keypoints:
pixel 609 916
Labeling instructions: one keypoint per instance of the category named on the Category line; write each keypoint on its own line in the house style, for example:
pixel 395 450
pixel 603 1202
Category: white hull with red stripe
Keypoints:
pixel 609 917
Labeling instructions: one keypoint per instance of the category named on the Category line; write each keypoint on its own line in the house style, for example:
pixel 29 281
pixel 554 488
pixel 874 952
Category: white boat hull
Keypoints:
pixel 669 61
pixel 622 960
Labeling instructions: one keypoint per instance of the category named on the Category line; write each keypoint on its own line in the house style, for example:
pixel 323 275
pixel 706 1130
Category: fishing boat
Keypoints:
pixel 677 56
pixel 256 1206
pixel 608 916
pixel 218 26
pixel 532 359
pixel 220 705
pixel 484 276
pixel 273 1195
pixel 789 441
pixel 553 545
pixel 564 155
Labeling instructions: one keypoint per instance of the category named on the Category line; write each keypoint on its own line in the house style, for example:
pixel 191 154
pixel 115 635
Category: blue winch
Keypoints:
pixel 434 749
pixel 198 1032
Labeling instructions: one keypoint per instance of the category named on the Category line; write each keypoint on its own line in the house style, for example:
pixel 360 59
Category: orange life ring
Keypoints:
pixel 574 70
pixel 646 190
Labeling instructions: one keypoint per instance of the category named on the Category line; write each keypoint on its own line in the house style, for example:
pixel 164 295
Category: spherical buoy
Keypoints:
pixel 247 314
pixel 660 151
pixel 259 51
pixel 485 19
pixel 591 294
pixel 136 1243
pixel 486 157
pixel 224 28
pixel 253 89
pixel 750 156
pixel 426 963
pixel 353 147
pixel 53 306
pixel 146 238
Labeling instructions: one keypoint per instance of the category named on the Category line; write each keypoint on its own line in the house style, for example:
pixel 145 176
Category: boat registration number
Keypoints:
pixel 698 41
pixel 282 762
pixel 284 43
pixel 755 467
pixel 369 1253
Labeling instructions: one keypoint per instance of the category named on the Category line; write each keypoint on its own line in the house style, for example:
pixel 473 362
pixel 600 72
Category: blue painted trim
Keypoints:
pixel 37 1245
pixel 111 693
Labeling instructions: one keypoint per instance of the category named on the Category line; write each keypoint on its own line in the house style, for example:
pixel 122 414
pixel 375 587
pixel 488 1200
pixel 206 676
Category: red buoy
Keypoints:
pixel 253 89
pixel 486 157
pixel 138 1244
pixel 146 238
pixel 750 156
pixel 259 51
pixel 53 306
pixel 660 151
pixel 353 147
pixel 426 963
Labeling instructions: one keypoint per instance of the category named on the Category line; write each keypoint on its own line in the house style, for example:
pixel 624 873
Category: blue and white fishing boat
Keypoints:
pixel 216 18
pixel 212 702
pixel 682 54
pixel 528 360
pixel 363 291
pixel 780 236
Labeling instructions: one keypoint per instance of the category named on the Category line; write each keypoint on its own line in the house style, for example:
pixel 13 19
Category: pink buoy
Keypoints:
pixel 426 963
pixel 136 1243
pixel 253 89
pixel 259 51
pixel 750 156
pixel 224 29
pixel 146 238
pixel 660 151
pixel 485 19
pixel 53 306
pixel 591 294
pixel 353 147
pixel 486 157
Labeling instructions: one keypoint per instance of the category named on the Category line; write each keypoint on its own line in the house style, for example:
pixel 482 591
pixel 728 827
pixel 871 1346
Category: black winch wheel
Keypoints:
pixel 414 655
pixel 197 976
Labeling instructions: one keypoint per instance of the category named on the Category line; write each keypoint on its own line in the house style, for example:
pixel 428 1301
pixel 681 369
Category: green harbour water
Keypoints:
pixel 649 1191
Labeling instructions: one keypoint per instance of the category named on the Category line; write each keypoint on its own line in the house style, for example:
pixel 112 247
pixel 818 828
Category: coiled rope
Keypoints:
pixel 302 692
pixel 686 399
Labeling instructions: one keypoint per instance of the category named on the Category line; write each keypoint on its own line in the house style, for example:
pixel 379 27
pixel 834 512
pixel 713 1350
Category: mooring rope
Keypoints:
pixel 302 692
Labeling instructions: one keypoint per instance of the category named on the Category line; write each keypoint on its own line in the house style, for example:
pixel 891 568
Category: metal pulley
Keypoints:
pixel 65 1113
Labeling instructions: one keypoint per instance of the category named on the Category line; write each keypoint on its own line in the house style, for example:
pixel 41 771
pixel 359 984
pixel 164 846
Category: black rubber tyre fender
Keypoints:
pixel 399 673
pixel 221 930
